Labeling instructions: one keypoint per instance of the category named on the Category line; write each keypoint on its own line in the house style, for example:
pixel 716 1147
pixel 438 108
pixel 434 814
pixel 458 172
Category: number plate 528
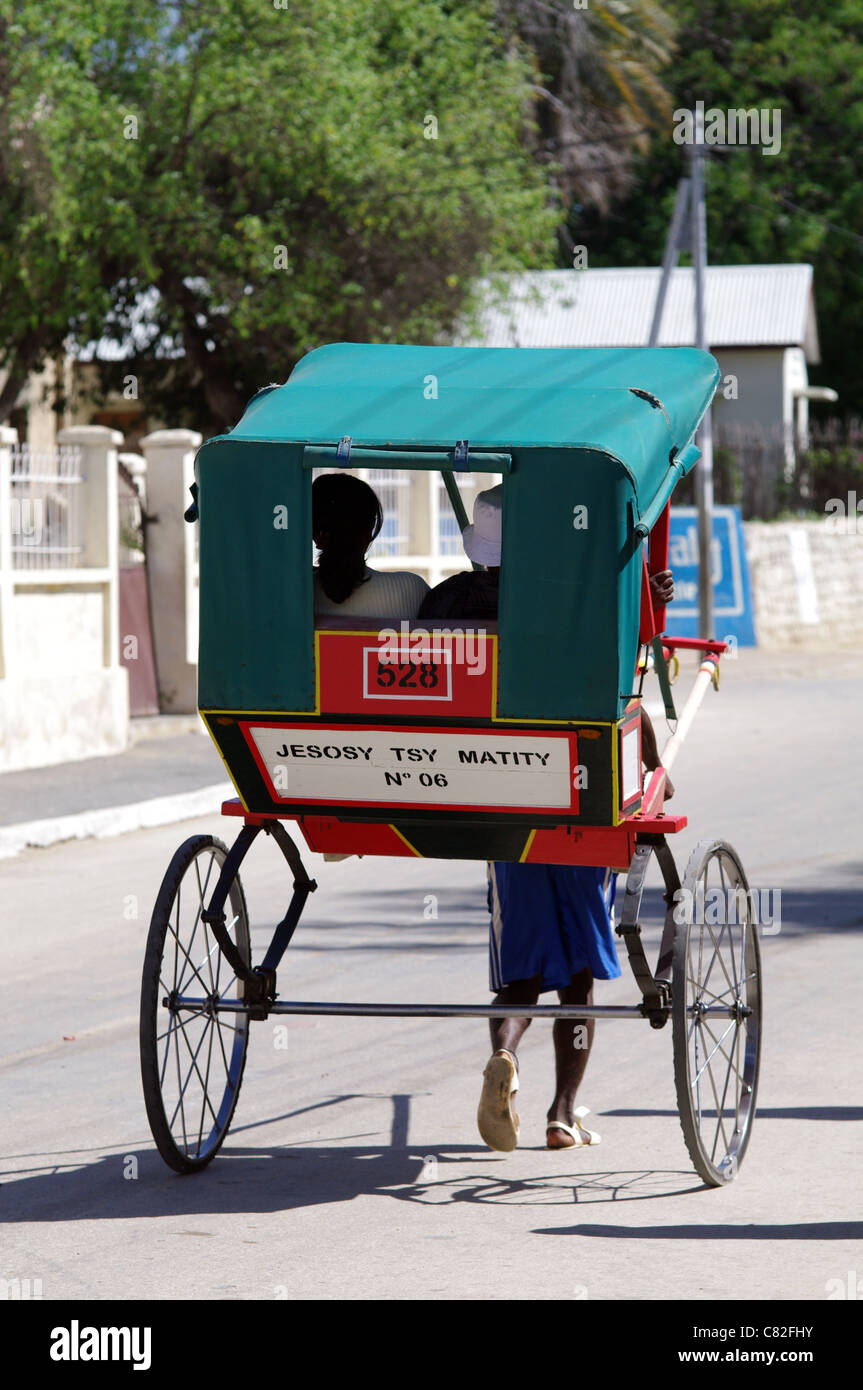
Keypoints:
pixel 409 679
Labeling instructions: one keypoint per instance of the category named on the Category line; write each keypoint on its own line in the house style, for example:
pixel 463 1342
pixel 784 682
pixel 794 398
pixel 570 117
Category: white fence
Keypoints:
pixel 45 507
pixel 63 692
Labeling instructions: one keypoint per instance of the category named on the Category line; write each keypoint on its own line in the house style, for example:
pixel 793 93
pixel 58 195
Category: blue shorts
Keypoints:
pixel 551 920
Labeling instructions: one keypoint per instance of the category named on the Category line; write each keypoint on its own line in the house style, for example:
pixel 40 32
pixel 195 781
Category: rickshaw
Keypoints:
pixel 402 742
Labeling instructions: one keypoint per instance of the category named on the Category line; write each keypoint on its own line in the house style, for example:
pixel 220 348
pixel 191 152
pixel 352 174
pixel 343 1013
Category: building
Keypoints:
pixel 760 326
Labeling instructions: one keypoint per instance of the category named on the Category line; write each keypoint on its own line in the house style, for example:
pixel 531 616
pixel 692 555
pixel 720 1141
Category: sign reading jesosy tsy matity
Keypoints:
pixel 421 766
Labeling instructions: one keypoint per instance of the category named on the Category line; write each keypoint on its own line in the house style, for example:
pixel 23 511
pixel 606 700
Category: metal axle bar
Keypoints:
pixel 432 1011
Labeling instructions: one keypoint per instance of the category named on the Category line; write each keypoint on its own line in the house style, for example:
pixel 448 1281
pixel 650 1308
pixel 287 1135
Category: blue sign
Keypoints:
pixel 732 598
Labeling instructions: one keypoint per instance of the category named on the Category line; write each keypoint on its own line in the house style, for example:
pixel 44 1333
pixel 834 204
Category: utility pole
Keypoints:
pixel 674 241
pixel 704 437
pixel 689 224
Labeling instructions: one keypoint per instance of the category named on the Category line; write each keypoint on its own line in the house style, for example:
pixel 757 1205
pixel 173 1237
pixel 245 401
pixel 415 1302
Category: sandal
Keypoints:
pixel 496 1120
pixel 580 1136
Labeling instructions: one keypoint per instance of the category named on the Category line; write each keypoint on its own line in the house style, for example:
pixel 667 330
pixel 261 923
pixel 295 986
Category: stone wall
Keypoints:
pixel 807 582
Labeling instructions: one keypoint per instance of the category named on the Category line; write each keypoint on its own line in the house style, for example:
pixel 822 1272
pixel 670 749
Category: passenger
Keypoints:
pixel 346 518
pixel 550 924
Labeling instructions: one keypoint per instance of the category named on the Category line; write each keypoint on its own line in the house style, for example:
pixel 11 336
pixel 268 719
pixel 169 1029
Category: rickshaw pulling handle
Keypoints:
pixel 708 674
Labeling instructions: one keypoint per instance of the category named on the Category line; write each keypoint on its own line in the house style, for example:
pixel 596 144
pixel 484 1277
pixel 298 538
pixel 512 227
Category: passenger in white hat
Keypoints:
pixel 473 594
pixel 482 541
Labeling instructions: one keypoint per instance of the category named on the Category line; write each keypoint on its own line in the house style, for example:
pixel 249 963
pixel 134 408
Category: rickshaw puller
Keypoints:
pixel 573 902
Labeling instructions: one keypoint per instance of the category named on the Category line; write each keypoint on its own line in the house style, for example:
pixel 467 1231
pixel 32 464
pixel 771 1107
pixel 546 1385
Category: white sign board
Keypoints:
pixel 630 745
pixel 337 764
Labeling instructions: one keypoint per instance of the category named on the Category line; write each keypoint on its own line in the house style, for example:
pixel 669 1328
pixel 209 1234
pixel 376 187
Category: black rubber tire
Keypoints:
pixel 717 1139
pixel 187 1153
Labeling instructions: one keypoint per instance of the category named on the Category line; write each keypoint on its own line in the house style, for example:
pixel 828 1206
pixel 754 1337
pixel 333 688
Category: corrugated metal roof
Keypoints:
pixel 745 306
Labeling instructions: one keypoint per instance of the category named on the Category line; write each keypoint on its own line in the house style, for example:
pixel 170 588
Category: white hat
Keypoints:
pixel 482 541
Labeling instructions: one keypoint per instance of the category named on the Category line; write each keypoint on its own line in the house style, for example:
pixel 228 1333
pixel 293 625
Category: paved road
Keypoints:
pixel 354 1169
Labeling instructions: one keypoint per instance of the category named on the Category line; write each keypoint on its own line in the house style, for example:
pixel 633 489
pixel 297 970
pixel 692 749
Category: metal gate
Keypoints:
pixel 136 639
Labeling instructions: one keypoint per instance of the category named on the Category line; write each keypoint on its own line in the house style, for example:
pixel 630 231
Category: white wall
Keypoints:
pixel 763 394
pixel 63 693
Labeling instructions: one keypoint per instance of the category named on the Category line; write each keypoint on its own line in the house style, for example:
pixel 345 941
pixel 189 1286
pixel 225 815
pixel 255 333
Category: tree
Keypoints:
pixel 227 184
pixel 48 250
pixel 599 88
pixel 803 204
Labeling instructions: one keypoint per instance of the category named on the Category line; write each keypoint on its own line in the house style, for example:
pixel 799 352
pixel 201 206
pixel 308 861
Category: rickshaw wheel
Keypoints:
pixel 717 963
pixel 192 1061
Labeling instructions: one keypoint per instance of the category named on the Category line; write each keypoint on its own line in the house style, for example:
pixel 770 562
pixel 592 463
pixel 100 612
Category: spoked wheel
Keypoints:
pixel 192 1058
pixel 716 1010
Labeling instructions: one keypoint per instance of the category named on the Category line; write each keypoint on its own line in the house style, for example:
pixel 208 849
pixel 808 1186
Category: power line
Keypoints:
pixel 825 222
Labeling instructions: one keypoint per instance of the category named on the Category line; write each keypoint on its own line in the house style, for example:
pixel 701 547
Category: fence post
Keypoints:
pixel 8 437
pixel 170 456
pixel 98 446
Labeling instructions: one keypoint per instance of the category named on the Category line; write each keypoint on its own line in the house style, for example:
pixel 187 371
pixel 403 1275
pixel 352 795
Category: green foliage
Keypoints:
pixel 262 174
pixel 831 471
pixel 597 88
pixel 804 204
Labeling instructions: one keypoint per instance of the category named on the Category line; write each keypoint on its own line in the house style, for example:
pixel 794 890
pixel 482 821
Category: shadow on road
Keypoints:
pixel 77 1186
pixel 264 1179
pixel 395 915
pixel 833 904
pixel 766 1112
pixel 804 1230
pixel 87 1185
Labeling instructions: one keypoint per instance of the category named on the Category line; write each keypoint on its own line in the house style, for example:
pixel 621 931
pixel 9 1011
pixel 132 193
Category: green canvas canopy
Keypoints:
pixel 590 443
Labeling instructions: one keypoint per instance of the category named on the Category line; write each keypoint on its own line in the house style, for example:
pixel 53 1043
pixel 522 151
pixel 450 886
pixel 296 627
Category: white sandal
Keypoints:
pixel 582 1137
pixel 497 1124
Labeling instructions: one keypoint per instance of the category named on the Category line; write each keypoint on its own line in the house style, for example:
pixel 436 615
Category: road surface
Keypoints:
pixel 354 1169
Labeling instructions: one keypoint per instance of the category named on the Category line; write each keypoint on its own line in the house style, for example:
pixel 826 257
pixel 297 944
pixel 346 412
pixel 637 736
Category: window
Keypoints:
pixel 393 489
pixel 449 532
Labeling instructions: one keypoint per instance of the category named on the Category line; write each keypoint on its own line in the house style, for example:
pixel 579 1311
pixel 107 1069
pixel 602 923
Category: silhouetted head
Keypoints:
pixel 346 517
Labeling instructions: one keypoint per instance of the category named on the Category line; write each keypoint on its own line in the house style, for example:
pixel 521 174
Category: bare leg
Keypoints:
pixel 573 1039
pixel 497 1120
pixel 507 1033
